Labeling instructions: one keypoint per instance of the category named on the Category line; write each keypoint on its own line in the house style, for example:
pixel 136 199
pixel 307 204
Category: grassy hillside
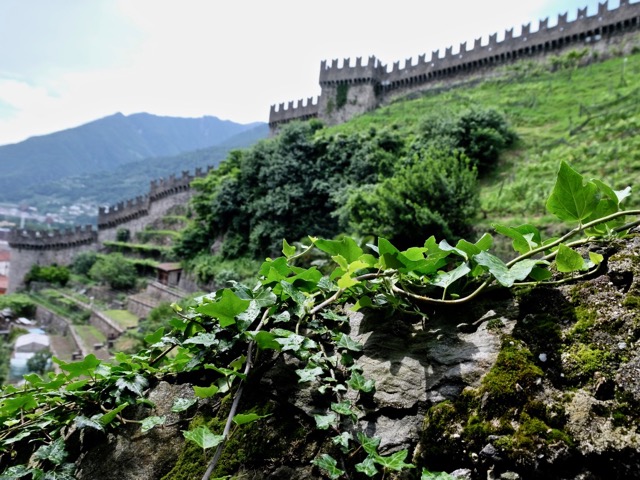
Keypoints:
pixel 588 116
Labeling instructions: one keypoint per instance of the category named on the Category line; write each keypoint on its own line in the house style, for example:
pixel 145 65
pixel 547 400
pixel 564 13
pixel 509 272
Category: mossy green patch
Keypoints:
pixel 512 378
pixel 249 445
pixel 581 361
pixel 586 319
pixel 631 301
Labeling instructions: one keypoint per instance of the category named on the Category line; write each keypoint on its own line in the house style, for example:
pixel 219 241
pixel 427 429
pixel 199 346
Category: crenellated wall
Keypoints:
pixel 137 213
pixel 368 86
pixel 29 247
pixel 299 111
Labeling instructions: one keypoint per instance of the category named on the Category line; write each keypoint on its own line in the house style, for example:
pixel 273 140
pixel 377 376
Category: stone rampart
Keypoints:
pixel 31 247
pixel 299 111
pixel 385 83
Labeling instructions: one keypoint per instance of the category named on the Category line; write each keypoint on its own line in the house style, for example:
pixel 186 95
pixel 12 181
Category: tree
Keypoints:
pixel 115 270
pixel 83 262
pixel 436 194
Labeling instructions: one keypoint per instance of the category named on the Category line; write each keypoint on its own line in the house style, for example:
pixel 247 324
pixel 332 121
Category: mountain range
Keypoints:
pixel 81 162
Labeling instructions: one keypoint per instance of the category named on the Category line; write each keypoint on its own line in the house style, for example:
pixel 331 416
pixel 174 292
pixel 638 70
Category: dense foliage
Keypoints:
pixel 373 183
pixel 115 270
pixel 19 304
pixel 297 312
pixel 53 274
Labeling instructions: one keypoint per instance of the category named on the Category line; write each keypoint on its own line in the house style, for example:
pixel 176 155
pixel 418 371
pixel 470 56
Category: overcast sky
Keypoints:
pixel 67 62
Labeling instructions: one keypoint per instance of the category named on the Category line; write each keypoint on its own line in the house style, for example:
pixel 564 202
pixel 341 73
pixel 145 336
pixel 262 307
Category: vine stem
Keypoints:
pixel 543 248
pixel 234 405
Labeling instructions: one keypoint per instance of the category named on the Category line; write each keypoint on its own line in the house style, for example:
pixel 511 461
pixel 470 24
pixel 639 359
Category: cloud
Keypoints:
pixel 68 66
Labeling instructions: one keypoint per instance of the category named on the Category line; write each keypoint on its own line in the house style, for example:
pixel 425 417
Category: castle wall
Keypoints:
pixel 465 63
pixel 360 98
pixel 30 247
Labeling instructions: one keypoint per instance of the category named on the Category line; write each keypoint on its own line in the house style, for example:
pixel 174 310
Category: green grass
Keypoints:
pixel 589 117
pixel 90 335
pixel 124 318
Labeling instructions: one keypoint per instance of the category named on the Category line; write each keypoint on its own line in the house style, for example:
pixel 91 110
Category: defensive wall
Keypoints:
pixel 30 247
pixel 348 90
pixel 135 214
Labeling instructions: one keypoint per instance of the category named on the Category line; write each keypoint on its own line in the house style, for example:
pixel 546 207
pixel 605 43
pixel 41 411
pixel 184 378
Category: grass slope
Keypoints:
pixel 589 117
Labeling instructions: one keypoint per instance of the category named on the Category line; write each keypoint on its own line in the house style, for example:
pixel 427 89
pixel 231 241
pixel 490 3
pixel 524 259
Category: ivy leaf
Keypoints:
pixel 265 297
pixel 572 199
pixel 19 436
pixel 288 250
pixel 363 301
pixel 504 275
pixel 151 422
pixel 246 318
pixel 323 422
pixel 135 385
pixel 244 418
pixel 265 340
pixel 346 342
pixel 344 408
pixel 203 437
pixel 540 274
pixel 525 237
pixel 368 467
pixel 568 260
pixel 369 444
pixel 328 464
pixel 395 461
pixel 110 416
pixel 54 452
pixel 21 402
pixel 82 422
pixel 225 308
pixel 78 369
pixel 358 382
pixel 342 440
pixel 182 404
pixel 17 471
pixel 154 337
pixel 205 339
pixel 309 374
pixel 445 279
pixel 205 392
pixel 427 475
pixel 346 247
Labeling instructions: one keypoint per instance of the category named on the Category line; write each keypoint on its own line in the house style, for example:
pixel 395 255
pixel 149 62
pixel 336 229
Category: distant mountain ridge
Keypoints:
pixel 132 179
pixel 105 145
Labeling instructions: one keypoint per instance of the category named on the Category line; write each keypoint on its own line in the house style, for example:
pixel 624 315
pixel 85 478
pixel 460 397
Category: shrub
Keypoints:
pixel 115 270
pixel 435 195
pixel 482 133
pixel 19 304
pixel 83 262
pixel 53 274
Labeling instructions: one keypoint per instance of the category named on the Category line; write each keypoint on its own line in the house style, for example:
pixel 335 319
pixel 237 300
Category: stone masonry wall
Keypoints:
pixel 383 83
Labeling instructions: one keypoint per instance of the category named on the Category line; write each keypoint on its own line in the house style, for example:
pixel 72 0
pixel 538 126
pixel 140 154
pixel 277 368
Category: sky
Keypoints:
pixel 64 63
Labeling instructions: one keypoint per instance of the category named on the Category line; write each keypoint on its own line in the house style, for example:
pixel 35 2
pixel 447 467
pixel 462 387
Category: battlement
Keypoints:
pixel 122 212
pixel 52 239
pixel 112 216
pixel 372 72
pixel 299 111
pixel 583 30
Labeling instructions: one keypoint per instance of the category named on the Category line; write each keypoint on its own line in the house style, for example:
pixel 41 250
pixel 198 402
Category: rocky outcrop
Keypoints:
pixel 523 384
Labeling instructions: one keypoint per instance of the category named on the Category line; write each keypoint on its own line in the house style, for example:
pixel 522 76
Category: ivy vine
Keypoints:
pixel 298 312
